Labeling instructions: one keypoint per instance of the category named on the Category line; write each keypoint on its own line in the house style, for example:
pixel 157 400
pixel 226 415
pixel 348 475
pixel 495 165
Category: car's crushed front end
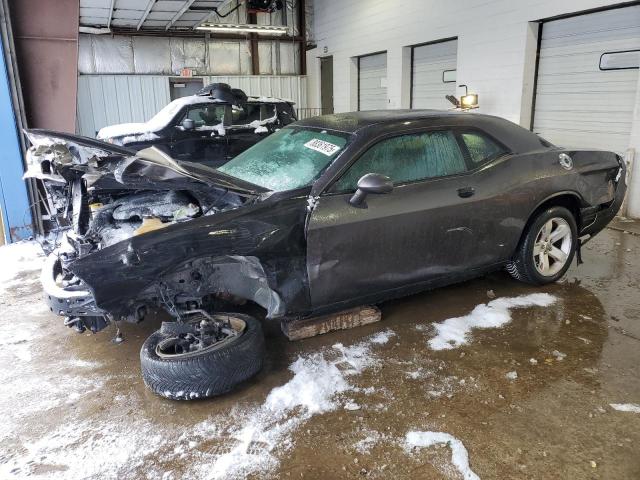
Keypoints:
pixel 99 198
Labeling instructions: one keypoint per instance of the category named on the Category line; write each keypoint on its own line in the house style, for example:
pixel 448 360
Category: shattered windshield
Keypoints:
pixel 290 158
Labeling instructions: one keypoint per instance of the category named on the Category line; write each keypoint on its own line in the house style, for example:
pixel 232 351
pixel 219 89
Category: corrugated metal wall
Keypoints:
pixel 110 99
pixel 126 54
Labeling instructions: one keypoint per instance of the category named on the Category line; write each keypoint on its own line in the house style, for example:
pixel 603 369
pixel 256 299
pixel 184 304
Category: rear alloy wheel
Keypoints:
pixel 547 248
pixel 204 356
pixel 552 246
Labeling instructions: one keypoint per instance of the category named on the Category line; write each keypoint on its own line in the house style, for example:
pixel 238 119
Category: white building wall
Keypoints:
pixel 497 44
pixel 494 45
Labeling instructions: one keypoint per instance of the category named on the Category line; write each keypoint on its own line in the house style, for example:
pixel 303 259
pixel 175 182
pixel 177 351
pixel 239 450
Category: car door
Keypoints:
pixel 495 222
pixel 419 232
pixel 205 143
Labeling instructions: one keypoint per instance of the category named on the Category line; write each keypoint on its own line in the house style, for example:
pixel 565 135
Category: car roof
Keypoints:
pixel 375 122
pixel 353 121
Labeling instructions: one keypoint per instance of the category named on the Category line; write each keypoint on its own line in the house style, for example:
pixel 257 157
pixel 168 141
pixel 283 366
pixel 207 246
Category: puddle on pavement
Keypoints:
pixel 76 404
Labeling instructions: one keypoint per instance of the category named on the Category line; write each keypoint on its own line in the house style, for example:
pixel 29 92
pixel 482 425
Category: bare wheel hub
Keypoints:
pixel 198 333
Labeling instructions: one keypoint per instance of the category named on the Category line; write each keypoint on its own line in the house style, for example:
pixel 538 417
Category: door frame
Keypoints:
pixel 541 23
pixel 173 80
pixel 322 60
pixel 413 47
pixel 358 67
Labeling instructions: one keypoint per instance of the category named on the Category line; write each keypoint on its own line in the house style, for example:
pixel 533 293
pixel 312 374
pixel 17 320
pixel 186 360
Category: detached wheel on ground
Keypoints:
pixel 548 246
pixel 204 356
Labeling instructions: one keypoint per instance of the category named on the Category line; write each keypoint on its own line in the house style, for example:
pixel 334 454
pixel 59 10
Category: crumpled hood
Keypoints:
pixel 60 158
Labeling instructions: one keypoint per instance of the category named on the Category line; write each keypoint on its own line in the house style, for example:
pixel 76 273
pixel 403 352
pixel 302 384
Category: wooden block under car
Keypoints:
pixel 310 327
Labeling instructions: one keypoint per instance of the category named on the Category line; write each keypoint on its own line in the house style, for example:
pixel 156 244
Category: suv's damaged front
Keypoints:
pixel 120 216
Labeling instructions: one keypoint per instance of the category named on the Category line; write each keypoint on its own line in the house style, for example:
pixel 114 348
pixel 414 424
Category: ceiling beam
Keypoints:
pixel 177 16
pixel 146 13
pixel 202 20
pixel 110 13
pixel 215 11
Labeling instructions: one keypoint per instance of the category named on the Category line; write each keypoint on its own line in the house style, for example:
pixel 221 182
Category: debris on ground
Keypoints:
pixel 512 375
pixel 626 407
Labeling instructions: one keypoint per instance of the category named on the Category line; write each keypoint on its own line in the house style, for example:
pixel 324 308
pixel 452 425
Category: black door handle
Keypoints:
pixel 466 192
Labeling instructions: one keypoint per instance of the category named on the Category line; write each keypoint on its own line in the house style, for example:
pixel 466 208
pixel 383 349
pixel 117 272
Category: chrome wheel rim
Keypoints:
pixel 552 246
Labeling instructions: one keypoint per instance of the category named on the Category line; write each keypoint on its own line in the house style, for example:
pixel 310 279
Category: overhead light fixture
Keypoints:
pixel 468 100
pixel 94 30
pixel 235 29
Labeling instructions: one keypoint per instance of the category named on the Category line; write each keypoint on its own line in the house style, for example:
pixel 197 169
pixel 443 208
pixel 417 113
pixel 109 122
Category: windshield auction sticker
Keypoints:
pixel 321 146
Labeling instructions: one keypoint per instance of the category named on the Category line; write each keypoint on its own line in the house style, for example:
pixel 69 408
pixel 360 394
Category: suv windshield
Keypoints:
pixel 290 158
pixel 162 118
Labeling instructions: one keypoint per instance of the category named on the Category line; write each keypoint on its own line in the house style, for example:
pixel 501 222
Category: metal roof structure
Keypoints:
pixel 145 15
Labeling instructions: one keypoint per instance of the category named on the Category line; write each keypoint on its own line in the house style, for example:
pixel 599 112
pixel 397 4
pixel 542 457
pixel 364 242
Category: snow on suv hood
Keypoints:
pixel 159 121
pixel 123 129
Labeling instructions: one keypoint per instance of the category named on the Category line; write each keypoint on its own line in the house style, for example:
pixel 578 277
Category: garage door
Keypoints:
pixel 434 75
pixel 372 82
pixel 586 88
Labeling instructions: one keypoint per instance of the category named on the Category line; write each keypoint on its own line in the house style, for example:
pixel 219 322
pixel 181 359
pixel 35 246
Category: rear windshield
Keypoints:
pixel 290 158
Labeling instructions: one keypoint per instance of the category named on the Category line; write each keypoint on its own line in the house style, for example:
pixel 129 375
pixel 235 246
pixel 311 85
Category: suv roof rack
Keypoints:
pixel 224 92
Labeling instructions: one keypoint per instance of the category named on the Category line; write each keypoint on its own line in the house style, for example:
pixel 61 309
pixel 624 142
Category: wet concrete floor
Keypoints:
pixel 74 406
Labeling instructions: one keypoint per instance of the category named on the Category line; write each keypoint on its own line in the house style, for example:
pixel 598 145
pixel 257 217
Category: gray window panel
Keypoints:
pixel 406 159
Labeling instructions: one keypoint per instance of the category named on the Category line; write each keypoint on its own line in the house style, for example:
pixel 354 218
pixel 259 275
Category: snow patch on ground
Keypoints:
pixel 626 407
pixel 318 381
pixel 454 332
pixel 87 450
pixel 459 454
pixel 17 258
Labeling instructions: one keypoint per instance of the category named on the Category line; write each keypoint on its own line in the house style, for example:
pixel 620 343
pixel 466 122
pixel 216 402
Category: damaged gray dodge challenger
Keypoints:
pixel 327 213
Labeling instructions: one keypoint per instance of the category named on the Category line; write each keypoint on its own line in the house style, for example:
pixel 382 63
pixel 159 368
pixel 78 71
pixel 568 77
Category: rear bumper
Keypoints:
pixel 596 218
pixel 65 302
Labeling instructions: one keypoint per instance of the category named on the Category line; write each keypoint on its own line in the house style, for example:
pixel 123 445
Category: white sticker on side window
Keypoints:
pixel 321 146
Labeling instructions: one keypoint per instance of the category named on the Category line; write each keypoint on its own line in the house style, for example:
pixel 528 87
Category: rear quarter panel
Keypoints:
pixel 510 189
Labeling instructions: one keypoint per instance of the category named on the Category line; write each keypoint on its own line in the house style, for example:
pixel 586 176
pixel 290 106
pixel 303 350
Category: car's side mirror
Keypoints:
pixel 370 183
pixel 188 124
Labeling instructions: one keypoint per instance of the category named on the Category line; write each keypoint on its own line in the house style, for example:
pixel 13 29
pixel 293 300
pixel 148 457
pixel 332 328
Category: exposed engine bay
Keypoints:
pixel 87 193
pixel 97 197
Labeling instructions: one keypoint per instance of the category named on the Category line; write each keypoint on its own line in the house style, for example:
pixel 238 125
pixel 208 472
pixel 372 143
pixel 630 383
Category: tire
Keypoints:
pixel 204 374
pixel 530 268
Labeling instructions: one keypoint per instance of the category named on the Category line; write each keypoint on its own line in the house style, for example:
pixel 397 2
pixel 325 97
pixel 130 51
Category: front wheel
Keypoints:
pixel 202 357
pixel 546 251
